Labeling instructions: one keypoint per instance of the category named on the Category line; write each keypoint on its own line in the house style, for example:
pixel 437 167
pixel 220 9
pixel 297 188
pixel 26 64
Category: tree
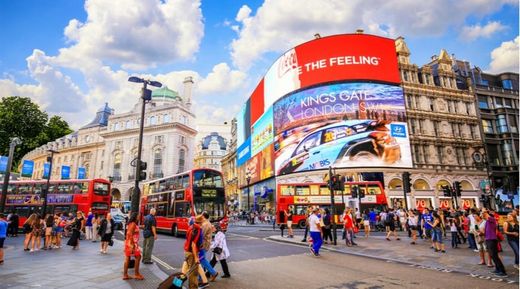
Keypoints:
pixel 22 118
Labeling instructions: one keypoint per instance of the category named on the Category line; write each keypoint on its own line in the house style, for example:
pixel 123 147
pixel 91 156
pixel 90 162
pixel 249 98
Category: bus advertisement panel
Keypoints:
pixel 341 125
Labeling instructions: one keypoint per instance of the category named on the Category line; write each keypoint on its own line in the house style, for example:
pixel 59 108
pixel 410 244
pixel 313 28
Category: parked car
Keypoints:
pixel 119 218
pixel 339 143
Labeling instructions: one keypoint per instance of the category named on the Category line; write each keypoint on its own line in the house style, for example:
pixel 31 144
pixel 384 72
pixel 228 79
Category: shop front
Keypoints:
pixel 264 196
pixel 422 203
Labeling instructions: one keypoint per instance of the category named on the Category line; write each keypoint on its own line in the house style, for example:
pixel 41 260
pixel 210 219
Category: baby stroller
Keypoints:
pixel 177 280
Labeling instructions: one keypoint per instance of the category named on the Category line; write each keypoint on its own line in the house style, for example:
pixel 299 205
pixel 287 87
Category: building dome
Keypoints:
pixel 165 94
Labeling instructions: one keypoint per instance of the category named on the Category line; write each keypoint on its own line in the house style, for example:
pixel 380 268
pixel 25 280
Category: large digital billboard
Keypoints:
pixel 333 101
pixel 355 124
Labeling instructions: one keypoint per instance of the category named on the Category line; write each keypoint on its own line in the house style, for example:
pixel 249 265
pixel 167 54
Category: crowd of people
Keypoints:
pixel 478 228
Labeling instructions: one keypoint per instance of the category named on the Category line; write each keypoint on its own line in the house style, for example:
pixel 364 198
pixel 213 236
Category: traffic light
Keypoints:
pixel 341 183
pixel 457 188
pixel 447 191
pixel 483 199
pixel 142 171
pixel 354 190
pixel 407 184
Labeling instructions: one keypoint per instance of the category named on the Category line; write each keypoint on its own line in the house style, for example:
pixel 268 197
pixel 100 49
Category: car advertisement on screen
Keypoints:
pixel 355 124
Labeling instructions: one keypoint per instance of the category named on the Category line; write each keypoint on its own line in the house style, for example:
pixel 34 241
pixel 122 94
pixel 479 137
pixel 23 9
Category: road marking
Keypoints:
pixel 242 236
pixel 164 264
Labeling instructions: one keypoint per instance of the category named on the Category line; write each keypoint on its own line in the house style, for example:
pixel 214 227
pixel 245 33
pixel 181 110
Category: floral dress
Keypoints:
pixel 132 233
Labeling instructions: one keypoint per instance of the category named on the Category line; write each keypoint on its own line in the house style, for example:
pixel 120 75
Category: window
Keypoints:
pixel 157 163
pixel 460 156
pixel 128 124
pixel 484 82
pixel 184 119
pixel 159 139
pixel 440 154
pixel 483 102
pixel 507 84
pixel 405 75
pixel 409 101
pixel 512 123
pixel 431 102
pixel 117 127
pixel 182 156
pixel 487 125
pixel 507 153
pixel 498 102
pixel 508 103
pixel 166 118
pixel 468 107
pixel 117 167
pixel 153 120
pixel 417 153
pixel 502 124
pixel 182 139
pixel 436 127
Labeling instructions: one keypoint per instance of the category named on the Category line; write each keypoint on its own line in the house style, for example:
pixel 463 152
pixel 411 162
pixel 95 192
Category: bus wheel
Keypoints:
pixel 301 224
pixel 175 231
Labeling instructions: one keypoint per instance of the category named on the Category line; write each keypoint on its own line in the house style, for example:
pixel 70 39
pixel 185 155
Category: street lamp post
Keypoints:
pixel 46 191
pixel 146 95
pixel 14 142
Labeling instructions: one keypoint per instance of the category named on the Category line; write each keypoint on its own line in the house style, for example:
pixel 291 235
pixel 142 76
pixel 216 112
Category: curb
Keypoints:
pixel 389 260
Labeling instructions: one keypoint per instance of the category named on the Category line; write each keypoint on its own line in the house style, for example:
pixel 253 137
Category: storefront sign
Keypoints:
pixel 3 164
pixel 207 193
pixel 421 204
pixel 445 203
pixel 468 203
pixel 27 168
pixel 65 172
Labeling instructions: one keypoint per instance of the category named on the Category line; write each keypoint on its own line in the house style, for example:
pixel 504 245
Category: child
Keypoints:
pixel 454 234
pixel 220 251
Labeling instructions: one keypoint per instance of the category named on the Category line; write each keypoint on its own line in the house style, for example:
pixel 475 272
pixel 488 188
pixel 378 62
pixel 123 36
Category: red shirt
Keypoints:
pixel 348 222
pixel 193 235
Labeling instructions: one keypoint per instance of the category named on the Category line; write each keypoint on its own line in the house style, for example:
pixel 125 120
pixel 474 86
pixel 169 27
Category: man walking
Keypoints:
pixel 492 243
pixel 150 235
pixel 315 230
pixel 3 235
pixel 307 215
pixel 207 232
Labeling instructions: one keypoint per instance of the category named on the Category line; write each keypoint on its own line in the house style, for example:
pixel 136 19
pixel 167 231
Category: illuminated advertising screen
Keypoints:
pixel 355 124
pixel 333 101
pixel 262 133
pixel 261 166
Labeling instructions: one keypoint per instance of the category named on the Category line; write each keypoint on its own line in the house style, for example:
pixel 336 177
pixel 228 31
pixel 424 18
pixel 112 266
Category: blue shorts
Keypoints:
pixel 2 243
pixel 437 235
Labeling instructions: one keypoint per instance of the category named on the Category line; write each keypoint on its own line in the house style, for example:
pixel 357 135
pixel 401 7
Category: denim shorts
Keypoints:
pixel 437 235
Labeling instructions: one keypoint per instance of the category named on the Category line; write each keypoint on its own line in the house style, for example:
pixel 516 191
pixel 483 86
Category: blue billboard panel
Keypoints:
pixel 65 172
pixel 3 164
pixel 27 168
pixel 46 169
pixel 354 124
pixel 82 173
pixel 244 152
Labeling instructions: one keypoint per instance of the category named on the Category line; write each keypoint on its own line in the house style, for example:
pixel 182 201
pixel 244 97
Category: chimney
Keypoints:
pixel 188 85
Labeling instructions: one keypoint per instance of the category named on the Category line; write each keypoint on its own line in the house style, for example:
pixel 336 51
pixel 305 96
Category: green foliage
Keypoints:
pixel 21 117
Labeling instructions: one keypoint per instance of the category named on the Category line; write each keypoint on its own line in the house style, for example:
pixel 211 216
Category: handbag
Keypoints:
pixel 131 263
pixel 217 250
pixel 111 243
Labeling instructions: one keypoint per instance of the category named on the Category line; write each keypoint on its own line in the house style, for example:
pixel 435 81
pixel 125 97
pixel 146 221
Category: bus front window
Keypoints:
pixel 101 189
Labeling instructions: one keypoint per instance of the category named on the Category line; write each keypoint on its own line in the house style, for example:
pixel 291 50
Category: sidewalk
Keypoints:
pixel 66 268
pixel 462 260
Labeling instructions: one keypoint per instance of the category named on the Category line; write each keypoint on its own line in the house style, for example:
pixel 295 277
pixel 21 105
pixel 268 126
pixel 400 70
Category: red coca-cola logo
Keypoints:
pixel 288 62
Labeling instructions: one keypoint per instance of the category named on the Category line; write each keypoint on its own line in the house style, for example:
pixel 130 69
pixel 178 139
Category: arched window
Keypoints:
pixel 157 163
pixel 128 124
pixel 153 120
pixel 166 118
pixel 117 167
pixel 182 156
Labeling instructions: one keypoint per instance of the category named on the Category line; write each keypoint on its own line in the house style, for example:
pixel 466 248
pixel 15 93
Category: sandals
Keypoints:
pixel 139 277
pixel 126 277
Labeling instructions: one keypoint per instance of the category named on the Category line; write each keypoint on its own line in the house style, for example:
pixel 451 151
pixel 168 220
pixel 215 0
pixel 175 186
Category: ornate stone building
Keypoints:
pixel 107 146
pixel 210 151
pixel 229 168
pixel 444 133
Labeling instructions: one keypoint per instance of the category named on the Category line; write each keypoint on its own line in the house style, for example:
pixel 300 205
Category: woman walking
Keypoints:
pixel 132 248
pixel 49 224
pixel 511 230
pixel 366 223
pixel 289 216
pixel 77 226
pixel 220 251
pixel 437 233
pixel 106 231
pixel 36 233
pixel 27 230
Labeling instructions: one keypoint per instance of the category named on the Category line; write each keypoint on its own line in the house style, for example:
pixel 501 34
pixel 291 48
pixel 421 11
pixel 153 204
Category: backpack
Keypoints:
pixel 389 218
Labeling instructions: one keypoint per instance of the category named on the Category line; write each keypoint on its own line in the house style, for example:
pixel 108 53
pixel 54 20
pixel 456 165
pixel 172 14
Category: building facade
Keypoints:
pixel 229 169
pixel 107 146
pixel 210 151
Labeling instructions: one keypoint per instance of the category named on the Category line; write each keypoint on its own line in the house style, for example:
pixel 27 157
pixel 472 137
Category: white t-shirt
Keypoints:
pixel 314 223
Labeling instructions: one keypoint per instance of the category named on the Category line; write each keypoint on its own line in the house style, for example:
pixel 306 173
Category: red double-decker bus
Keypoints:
pixel 177 198
pixel 25 197
pixel 297 197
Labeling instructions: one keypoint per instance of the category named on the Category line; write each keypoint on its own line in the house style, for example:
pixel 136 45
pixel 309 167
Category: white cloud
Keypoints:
pixel 279 25
pixel 505 57
pixel 221 80
pixel 470 33
pixel 136 33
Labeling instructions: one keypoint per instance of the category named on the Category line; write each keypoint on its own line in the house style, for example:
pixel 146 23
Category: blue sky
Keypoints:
pixel 71 56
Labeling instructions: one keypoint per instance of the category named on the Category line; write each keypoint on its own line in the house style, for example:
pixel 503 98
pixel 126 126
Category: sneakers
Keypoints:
pixel 500 274
pixel 226 276
pixel 312 251
pixel 304 240
pixel 203 285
